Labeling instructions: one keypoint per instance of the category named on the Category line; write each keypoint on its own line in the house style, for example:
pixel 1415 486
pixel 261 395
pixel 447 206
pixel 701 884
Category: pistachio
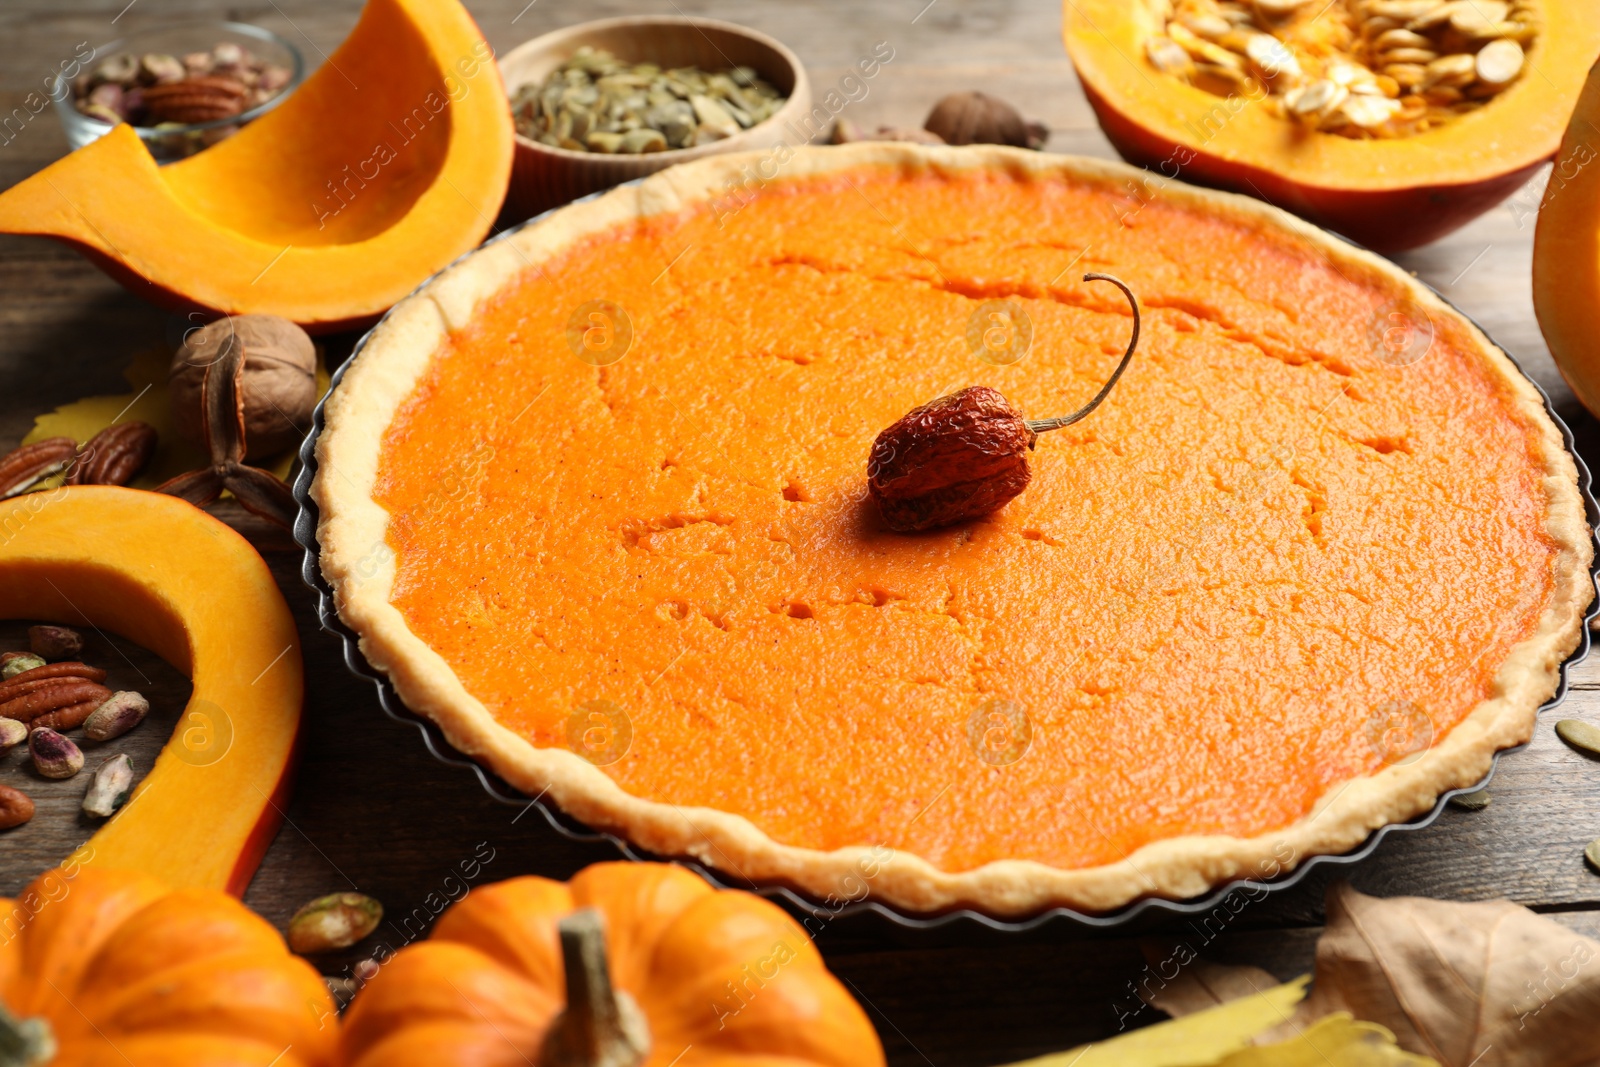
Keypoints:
pixel 14 663
pixel 15 807
pixel 1474 801
pixel 54 642
pixel 1583 736
pixel 110 788
pixel 332 922
pixel 12 734
pixel 157 68
pixel 54 756
pixel 119 713
pixel 1592 855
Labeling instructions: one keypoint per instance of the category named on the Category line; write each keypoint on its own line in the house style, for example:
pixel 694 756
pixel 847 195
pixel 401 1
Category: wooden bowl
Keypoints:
pixel 543 177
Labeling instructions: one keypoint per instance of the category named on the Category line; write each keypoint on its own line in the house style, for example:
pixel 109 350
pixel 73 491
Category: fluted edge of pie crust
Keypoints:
pixel 361 571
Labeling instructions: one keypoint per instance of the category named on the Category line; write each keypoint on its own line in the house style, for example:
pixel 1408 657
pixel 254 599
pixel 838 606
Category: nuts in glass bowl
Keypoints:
pixel 154 88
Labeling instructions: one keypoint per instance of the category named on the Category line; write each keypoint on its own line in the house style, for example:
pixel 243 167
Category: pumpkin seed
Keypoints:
pixel 1400 38
pixel 1317 98
pixel 1454 71
pixel 1272 57
pixel 1404 10
pixel 1167 56
pixel 1369 112
pixel 1435 16
pixel 1474 801
pixel 597 103
pixel 1583 736
pixel 1498 62
pixel 1407 75
pixel 1591 855
pixel 1422 56
pixel 1211 27
pixel 1471 15
pixel 1279 8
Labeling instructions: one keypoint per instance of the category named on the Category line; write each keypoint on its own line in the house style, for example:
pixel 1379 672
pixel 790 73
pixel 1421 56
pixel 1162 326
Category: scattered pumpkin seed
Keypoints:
pixel 335 921
pixel 1583 736
pixel 595 102
pixel 1591 855
pixel 1474 801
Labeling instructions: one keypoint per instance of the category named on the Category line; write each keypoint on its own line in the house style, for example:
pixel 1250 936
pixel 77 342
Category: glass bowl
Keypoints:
pixel 171 141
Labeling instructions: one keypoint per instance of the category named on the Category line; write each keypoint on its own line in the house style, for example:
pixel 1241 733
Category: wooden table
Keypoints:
pixel 374 812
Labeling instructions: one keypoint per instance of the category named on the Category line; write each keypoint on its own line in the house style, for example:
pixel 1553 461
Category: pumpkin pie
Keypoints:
pixel 595 499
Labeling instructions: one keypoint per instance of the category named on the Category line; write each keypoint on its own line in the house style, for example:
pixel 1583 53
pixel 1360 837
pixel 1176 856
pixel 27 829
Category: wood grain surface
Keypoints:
pixel 374 811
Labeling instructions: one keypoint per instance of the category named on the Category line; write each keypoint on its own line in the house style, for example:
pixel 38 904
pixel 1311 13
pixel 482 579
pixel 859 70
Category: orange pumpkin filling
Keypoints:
pixel 1285 551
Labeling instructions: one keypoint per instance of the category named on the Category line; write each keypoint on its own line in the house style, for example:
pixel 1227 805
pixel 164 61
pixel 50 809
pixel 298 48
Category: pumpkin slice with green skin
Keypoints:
pixel 1566 251
pixel 388 163
pixel 166 575
pixel 1390 194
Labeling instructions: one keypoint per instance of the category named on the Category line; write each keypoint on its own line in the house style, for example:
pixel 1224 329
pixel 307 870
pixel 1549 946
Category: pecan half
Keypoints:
pixel 203 98
pixel 115 455
pixel 28 681
pixel 25 467
pixel 63 719
pixel 64 693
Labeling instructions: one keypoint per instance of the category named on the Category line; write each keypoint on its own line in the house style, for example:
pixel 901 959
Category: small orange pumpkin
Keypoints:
pixel 103 967
pixel 521 971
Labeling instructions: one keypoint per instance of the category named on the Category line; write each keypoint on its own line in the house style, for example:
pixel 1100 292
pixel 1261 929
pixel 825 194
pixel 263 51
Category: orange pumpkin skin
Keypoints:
pixel 1389 195
pixel 128 971
pixel 724 978
pixel 1566 251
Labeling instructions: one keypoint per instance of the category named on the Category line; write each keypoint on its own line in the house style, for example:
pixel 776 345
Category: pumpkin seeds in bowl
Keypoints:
pixel 595 102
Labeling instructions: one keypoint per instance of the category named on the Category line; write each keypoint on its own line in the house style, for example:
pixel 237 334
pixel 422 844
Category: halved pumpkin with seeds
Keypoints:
pixel 1391 121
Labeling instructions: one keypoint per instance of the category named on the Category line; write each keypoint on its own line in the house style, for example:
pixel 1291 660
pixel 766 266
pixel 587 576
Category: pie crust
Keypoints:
pixel 354 527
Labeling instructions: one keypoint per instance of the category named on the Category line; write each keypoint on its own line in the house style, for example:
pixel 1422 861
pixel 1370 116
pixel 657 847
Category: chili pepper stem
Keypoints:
pixel 1039 426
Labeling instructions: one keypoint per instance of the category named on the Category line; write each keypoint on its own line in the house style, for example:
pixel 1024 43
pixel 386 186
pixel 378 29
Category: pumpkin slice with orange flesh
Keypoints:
pixel 389 162
pixel 1566 251
pixel 163 573
pixel 1388 194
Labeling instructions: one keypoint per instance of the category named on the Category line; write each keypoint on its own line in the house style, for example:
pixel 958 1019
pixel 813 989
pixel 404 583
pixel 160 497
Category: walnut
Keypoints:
pixel 977 118
pixel 278 383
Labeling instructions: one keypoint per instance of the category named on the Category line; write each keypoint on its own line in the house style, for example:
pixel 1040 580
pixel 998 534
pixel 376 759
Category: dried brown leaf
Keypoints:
pixel 1203 984
pixel 1471 985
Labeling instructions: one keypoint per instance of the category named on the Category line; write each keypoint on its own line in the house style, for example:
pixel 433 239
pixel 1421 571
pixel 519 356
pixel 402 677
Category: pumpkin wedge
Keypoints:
pixel 165 574
pixel 1388 193
pixel 1566 251
pixel 389 162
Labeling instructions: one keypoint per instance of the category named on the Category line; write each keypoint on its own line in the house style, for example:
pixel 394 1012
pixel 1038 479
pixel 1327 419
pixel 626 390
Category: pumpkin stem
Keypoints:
pixel 1046 425
pixel 601 1025
pixel 25 1042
